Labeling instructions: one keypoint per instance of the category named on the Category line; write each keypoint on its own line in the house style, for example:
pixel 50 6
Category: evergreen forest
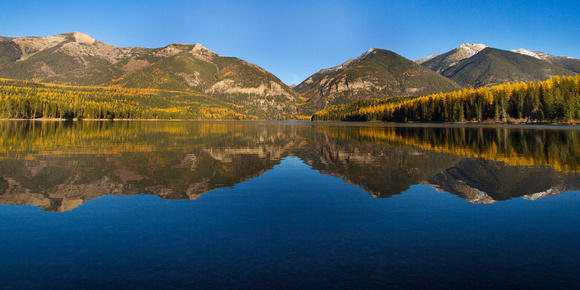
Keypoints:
pixel 30 100
pixel 553 100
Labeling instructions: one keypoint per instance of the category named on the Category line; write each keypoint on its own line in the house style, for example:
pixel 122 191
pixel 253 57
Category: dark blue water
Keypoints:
pixel 294 227
pixel 270 206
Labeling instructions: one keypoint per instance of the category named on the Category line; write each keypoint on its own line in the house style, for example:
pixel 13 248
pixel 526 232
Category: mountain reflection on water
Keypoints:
pixel 59 165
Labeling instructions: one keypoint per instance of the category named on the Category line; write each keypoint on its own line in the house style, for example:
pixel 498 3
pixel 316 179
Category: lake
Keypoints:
pixel 145 204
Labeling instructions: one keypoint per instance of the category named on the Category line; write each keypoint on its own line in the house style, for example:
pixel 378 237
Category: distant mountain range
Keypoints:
pixel 476 65
pixel 77 59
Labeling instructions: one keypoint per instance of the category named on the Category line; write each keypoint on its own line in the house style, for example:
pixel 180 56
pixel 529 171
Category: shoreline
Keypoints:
pixel 522 125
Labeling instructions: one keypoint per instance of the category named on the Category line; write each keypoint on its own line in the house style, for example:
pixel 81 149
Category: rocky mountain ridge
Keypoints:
pixel 569 63
pixel 467 66
pixel 375 74
pixel 78 59
pixel 493 66
pixel 349 63
pixel 440 62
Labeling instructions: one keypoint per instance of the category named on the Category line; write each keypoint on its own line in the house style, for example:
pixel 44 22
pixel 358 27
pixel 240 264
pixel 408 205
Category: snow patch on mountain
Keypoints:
pixel 472 49
pixel 527 52
pixel 451 58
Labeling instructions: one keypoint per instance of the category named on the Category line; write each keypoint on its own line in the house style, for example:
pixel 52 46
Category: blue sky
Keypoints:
pixel 294 39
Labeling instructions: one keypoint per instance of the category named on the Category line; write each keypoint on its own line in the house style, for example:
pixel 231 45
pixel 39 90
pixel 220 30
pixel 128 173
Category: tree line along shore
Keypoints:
pixel 556 100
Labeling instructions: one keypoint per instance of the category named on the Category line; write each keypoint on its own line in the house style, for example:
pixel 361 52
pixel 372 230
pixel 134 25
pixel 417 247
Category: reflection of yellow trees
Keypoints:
pixel 56 138
pixel 70 143
pixel 216 128
pixel 558 149
pixel 40 138
pixel 109 137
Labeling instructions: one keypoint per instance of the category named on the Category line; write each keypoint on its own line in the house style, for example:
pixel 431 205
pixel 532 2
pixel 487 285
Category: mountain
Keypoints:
pixel 375 74
pixel 42 57
pixel 477 65
pixel 77 59
pixel 494 66
pixel 569 63
pixel 234 85
pixel 441 62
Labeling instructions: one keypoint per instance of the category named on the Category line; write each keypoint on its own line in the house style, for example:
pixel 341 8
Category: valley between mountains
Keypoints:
pixel 72 75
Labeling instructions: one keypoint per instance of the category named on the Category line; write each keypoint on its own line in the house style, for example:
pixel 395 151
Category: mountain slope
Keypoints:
pixel 494 66
pixel 375 74
pixel 441 62
pixel 41 57
pixel 75 58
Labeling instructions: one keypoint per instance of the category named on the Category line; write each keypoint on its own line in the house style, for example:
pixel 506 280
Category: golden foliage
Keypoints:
pixel 555 100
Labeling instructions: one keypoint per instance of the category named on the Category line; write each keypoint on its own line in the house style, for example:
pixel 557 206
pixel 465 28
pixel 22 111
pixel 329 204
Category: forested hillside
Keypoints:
pixel 72 75
pixel 30 100
pixel 200 75
pixel 493 66
pixel 554 100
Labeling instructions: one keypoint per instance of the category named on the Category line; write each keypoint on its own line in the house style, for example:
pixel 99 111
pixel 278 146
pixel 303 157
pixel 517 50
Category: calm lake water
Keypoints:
pixel 288 205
